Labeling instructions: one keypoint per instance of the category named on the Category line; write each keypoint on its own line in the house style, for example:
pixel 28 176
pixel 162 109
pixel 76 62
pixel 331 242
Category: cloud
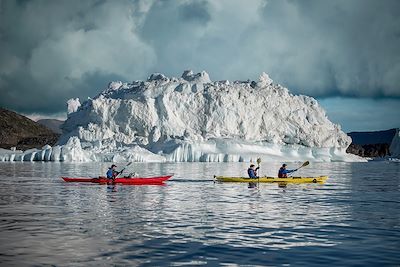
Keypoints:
pixel 173 30
pixel 336 47
pixel 54 50
pixel 355 114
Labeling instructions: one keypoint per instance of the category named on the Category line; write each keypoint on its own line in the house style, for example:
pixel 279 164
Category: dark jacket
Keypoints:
pixel 283 172
pixel 252 173
pixel 111 174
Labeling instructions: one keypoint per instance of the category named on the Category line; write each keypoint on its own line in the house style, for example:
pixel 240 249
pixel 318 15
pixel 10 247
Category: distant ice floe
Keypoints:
pixel 191 119
pixel 395 145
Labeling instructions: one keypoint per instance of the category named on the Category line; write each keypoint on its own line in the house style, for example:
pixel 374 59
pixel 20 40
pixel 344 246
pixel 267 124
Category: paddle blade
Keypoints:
pixel 258 161
pixel 305 163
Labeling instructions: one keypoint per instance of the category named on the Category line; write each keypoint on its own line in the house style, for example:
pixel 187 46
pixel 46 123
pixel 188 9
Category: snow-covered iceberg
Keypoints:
pixel 195 119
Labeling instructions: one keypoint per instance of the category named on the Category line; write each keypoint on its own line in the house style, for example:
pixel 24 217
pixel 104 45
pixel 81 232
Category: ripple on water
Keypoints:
pixel 353 219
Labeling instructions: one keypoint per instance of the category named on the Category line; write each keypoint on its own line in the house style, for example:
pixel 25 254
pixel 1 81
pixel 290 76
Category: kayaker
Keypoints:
pixel 283 171
pixel 112 173
pixel 252 172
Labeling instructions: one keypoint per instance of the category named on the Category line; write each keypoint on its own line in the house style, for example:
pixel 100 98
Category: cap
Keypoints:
pixel 284 165
pixel 113 165
pixel 251 165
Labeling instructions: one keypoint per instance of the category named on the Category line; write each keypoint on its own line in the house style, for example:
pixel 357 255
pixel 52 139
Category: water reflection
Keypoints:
pixel 111 188
pixel 192 220
pixel 252 185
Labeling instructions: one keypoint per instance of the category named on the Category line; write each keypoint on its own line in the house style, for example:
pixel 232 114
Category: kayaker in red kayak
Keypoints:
pixel 112 173
pixel 283 172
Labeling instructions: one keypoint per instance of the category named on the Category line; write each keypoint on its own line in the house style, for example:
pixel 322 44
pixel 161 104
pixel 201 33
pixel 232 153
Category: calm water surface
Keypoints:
pixel 352 220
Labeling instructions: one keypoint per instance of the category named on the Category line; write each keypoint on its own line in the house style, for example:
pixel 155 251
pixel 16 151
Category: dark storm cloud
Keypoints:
pixel 336 47
pixel 172 29
pixel 196 10
pixel 54 50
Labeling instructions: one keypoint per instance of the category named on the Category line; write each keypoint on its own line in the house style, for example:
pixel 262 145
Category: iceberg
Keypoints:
pixel 395 145
pixel 192 119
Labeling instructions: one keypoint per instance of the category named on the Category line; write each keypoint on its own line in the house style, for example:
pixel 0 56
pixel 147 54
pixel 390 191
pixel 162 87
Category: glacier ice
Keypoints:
pixel 395 145
pixel 72 105
pixel 195 119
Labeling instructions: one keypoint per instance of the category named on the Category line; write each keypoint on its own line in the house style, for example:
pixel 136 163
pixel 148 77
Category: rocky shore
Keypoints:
pixel 371 144
pixel 23 133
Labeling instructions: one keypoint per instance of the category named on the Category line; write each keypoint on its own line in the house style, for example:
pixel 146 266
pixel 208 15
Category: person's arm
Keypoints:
pixel 287 171
pixel 255 174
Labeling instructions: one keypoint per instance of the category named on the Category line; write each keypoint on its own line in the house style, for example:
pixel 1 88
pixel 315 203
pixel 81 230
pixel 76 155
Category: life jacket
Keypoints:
pixel 281 174
pixel 111 173
pixel 251 173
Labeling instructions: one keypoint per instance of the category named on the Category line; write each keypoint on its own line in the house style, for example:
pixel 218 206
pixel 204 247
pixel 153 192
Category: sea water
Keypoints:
pixel 352 219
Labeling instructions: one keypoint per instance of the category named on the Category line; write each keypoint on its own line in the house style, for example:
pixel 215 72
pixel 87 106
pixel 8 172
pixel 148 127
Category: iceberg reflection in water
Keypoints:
pixel 352 219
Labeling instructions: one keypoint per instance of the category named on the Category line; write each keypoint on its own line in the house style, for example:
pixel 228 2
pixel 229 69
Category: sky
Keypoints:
pixel 345 53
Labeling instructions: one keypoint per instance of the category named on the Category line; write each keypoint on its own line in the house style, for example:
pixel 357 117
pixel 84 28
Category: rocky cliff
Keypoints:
pixel 23 133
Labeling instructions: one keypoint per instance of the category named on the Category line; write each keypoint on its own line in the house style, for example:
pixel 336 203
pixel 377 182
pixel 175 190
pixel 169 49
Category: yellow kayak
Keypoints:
pixel 294 180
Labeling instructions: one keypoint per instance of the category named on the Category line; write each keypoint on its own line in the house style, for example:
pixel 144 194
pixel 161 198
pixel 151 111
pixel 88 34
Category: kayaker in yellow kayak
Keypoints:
pixel 282 173
pixel 252 172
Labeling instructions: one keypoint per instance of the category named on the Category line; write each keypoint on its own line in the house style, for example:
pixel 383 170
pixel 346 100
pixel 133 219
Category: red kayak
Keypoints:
pixel 132 181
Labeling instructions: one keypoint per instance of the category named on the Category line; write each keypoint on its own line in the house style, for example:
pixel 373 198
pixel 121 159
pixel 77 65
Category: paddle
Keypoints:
pixel 306 163
pixel 123 169
pixel 258 165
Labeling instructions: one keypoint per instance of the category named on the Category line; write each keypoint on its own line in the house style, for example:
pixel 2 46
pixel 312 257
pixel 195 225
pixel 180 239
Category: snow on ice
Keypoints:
pixel 195 119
